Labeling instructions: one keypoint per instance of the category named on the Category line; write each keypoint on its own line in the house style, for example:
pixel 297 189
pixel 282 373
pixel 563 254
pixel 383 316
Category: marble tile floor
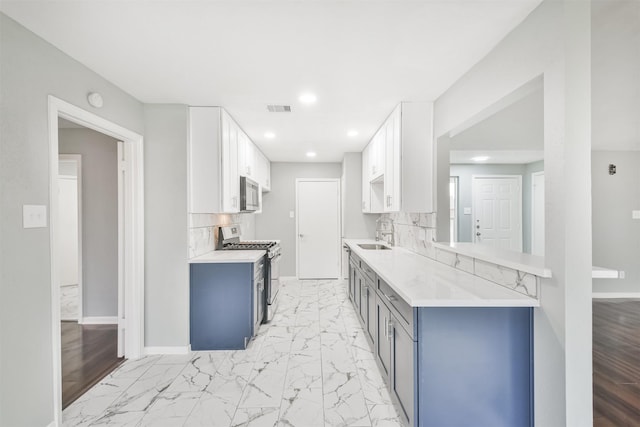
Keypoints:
pixel 311 366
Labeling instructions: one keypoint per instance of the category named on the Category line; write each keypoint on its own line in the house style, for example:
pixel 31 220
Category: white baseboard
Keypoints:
pixel 148 351
pixel 608 295
pixel 98 320
pixel 52 424
pixel 288 278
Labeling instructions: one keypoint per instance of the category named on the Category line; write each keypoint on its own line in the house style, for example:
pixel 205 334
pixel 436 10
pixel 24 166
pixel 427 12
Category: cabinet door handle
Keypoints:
pixel 389 330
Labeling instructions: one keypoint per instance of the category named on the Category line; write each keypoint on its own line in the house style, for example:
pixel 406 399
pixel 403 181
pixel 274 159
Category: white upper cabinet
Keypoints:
pixel 392 158
pixel 366 179
pixel 376 154
pixel 219 153
pixel 263 170
pixel 403 152
pixel 214 181
pixel 246 156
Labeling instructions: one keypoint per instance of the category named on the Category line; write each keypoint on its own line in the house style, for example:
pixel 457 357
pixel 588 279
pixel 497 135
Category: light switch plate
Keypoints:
pixel 34 216
pixel 290 214
pixel 467 211
pixel 635 214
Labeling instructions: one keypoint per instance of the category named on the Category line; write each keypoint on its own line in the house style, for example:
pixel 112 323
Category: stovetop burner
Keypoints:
pixel 248 245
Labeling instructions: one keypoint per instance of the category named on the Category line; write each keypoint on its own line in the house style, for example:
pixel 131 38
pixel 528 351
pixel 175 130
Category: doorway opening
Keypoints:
pixel 121 327
pixel 88 237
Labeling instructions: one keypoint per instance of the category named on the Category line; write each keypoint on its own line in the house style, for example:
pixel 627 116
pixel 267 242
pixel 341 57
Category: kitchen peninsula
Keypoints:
pixel 454 348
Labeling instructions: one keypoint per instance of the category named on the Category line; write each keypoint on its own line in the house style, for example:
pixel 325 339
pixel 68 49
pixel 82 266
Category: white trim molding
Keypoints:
pixel 615 295
pixel 148 351
pixel 98 320
pixel 133 317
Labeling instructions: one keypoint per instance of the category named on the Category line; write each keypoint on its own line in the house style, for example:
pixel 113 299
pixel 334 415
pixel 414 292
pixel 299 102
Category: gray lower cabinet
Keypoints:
pixel 370 321
pixel 352 279
pixel 403 380
pixel 382 343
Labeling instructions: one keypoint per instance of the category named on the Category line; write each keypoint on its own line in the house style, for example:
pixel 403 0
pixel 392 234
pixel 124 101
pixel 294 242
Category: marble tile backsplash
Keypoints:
pixel 203 235
pixel 417 232
pixel 519 281
pixel 414 231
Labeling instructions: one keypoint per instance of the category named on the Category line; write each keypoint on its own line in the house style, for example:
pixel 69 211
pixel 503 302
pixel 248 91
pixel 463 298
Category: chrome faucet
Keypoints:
pixel 385 231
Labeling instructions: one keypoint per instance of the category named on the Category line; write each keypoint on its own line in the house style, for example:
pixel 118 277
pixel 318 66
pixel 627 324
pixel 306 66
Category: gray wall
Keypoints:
pixel 99 176
pixel 30 70
pixel 355 224
pixel 274 222
pixel 166 222
pixel 616 237
pixel 465 196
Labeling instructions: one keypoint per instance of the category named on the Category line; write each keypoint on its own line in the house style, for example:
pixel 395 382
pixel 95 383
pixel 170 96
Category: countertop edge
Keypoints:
pixel 220 257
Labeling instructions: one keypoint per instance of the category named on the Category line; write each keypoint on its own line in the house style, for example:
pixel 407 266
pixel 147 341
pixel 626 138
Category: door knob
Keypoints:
pixel 301 235
pixel 478 234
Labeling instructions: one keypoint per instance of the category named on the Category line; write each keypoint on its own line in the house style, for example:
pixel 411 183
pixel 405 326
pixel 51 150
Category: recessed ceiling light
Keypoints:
pixel 480 158
pixel 308 98
pixel 352 133
pixel 269 135
pixel 311 153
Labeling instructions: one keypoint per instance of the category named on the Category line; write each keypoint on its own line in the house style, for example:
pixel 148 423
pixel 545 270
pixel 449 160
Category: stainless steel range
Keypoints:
pixel 229 239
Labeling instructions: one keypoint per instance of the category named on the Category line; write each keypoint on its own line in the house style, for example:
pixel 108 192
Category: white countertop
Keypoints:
pixel 528 263
pixel 228 256
pixel 423 282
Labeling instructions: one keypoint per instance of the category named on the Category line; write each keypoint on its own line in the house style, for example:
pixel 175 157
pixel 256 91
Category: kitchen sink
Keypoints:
pixel 373 246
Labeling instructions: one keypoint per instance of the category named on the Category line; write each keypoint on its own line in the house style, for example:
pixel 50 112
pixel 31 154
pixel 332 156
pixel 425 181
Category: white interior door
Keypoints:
pixel 497 207
pixel 537 213
pixel 318 228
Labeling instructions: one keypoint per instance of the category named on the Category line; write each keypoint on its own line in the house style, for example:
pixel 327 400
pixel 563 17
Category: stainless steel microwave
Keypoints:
pixel 249 195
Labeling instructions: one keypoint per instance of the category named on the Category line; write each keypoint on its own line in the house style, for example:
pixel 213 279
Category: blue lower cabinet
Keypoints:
pixel 475 367
pixel 451 366
pixel 221 311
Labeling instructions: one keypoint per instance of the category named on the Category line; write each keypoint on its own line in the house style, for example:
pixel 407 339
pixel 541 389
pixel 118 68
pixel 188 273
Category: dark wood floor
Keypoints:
pixel 616 363
pixel 89 353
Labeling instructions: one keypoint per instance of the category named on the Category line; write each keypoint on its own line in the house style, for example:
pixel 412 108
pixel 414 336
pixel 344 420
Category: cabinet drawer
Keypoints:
pixel 403 309
pixel 368 271
pixel 356 260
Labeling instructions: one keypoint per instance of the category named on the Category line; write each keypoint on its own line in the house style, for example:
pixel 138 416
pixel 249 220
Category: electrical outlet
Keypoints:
pixel 635 214
pixel 621 274
pixel 34 216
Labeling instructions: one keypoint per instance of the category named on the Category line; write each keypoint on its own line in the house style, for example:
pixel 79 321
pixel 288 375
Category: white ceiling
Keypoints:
pixel 514 134
pixel 360 58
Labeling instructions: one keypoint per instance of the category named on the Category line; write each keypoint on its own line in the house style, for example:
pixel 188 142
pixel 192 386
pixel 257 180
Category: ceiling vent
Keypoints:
pixel 279 108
